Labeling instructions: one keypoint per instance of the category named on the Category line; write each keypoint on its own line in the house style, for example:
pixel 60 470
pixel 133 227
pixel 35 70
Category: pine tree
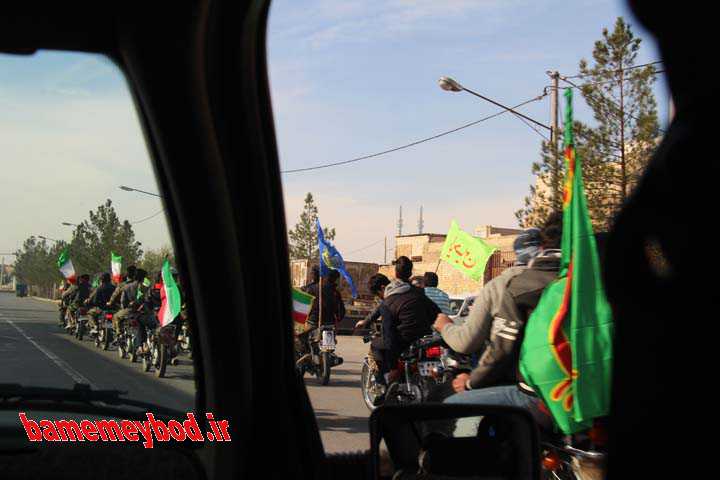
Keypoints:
pixel 544 196
pixel 616 150
pixel 94 239
pixel 303 237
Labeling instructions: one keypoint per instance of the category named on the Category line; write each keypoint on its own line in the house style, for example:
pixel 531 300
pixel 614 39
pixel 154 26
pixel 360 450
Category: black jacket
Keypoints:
pixel 408 314
pixel 498 364
pixel 333 309
pixel 101 295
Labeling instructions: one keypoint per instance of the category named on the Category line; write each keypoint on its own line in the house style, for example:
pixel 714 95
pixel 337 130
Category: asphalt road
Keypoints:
pixel 35 351
pixel 340 411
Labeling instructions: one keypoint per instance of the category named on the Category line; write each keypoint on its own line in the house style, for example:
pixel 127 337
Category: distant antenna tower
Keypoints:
pixel 421 224
pixel 400 222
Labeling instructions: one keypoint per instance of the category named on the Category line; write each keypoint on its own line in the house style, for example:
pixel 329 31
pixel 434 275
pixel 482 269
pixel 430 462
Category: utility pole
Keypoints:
pixel 555 137
pixel 385 258
pixel 400 222
pixel 421 224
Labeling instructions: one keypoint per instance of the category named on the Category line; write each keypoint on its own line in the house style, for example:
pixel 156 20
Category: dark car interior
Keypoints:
pixel 197 72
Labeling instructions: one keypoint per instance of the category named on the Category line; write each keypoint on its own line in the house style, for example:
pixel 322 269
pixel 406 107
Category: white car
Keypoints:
pixel 461 308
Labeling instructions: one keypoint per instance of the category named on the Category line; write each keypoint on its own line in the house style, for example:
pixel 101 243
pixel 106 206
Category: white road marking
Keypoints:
pixel 62 364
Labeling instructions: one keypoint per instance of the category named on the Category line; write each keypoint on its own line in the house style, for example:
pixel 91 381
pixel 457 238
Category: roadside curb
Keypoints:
pixel 46 300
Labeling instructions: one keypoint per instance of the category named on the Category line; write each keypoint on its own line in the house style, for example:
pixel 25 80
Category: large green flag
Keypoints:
pixel 465 252
pixel 567 351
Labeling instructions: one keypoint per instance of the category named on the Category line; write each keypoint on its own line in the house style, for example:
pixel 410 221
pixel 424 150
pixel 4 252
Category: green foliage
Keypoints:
pixel 152 260
pixel 95 238
pixel 89 249
pixel 303 237
pixel 36 262
pixel 616 149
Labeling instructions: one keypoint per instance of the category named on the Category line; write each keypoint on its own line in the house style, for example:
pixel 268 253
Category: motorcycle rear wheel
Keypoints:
pixel 106 338
pixel 324 368
pixel 121 348
pixel 162 361
pixel 366 381
pixel 132 350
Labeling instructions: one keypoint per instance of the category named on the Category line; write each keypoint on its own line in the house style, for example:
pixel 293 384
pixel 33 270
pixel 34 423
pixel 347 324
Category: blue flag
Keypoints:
pixel 330 259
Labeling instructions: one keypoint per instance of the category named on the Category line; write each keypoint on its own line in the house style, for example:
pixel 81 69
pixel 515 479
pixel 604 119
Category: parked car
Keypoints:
pixel 461 308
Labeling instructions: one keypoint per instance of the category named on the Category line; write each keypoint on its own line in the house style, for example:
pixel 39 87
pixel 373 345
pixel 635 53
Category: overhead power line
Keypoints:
pixel 366 247
pixel 618 70
pixel 564 79
pixel 417 142
pixel 604 82
pixel 148 218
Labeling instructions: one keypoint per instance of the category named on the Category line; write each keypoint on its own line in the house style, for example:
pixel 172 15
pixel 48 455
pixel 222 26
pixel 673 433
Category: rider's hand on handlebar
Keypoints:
pixel 360 324
pixel 460 382
pixel 441 321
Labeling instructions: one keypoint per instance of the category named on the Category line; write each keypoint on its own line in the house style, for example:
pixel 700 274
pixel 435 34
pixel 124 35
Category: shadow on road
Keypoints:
pixel 328 420
pixel 334 382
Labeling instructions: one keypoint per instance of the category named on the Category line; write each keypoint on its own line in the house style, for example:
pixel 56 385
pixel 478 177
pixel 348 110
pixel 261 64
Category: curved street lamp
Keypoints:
pixel 450 85
pixel 131 189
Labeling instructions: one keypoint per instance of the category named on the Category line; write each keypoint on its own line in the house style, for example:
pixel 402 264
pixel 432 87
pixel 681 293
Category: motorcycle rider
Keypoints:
pixel 152 302
pixel 471 337
pixel 441 299
pixel 78 297
pixel 407 315
pixel 68 292
pixel 114 301
pixel 99 298
pixel 333 310
pixel 314 280
pixel 496 380
pixel 128 301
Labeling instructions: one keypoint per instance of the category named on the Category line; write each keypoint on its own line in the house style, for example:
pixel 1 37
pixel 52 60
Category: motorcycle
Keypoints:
pixel 426 364
pixel 575 457
pixel 80 326
pixel 127 348
pixel 104 334
pixel 184 343
pixel 160 344
pixel 322 354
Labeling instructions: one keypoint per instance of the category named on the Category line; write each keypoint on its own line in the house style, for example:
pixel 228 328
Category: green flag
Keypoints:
pixel 465 252
pixel 566 354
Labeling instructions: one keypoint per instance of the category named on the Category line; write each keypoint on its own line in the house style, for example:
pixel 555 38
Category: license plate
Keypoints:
pixel 425 368
pixel 328 339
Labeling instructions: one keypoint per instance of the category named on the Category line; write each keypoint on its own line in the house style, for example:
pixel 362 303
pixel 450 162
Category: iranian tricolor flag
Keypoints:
pixel 171 303
pixel 115 266
pixel 66 267
pixel 301 305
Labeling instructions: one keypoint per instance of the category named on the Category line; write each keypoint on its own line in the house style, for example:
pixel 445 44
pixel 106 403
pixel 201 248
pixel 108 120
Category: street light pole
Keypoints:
pixel 131 189
pixel 450 85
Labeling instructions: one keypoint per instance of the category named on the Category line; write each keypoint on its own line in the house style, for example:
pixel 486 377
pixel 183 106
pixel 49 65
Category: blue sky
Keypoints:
pixel 352 78
pixel 348 78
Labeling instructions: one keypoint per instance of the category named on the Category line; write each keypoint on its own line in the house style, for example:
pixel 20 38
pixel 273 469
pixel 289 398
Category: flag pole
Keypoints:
pixel 320 304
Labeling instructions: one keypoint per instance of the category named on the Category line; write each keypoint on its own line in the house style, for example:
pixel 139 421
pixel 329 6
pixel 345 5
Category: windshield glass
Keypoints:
pixel 423 138
pixel 81 212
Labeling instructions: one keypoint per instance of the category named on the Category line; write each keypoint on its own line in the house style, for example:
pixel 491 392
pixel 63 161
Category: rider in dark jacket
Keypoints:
pixel 407 315
pixel 100 297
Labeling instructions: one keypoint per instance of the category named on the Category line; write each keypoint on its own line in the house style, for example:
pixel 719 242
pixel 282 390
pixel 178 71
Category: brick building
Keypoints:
pixel 424 250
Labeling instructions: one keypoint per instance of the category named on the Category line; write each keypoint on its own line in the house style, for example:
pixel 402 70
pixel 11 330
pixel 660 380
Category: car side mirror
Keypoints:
pixel 454 441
